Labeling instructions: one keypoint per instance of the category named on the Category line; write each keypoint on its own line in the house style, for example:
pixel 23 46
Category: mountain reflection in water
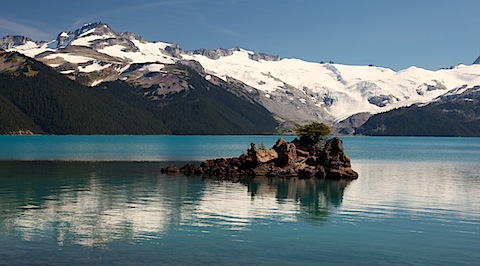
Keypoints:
pixel 95 203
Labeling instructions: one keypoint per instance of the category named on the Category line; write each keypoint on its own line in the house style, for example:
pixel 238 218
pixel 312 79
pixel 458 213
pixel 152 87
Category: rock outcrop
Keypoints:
pixel 10 41
pixel 284 159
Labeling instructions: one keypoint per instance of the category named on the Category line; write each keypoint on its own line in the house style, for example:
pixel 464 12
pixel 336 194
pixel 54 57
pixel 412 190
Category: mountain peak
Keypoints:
pixel 477 61
pixel 94 28
pixel 93 24
pixel 97 27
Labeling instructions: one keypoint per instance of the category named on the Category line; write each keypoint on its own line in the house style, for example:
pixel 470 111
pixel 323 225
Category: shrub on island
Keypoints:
pixel 311 155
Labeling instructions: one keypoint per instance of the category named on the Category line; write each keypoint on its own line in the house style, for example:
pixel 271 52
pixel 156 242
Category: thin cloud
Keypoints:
pixel 228 32
pixel 101 15
pixel 123 9
pixel 14 28
pixel 189 8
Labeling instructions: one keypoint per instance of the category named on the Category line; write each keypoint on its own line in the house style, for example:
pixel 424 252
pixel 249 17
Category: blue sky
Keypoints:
pixel 391 33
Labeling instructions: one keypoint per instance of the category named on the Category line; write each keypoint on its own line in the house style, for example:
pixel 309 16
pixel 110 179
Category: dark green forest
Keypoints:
pixel 204 109
pixel 456 115
pixel 36 98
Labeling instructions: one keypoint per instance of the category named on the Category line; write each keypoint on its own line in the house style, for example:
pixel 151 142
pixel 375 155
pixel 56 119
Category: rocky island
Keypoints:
pixel 309 156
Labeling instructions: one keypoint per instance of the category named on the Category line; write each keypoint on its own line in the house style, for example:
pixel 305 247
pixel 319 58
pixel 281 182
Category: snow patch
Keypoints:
pixel 31 49
pixel 87 40
pixel 96 66
pixel 148 53
pixel 76 59
pixel 97 82
pixel 86 32
pixel 153 67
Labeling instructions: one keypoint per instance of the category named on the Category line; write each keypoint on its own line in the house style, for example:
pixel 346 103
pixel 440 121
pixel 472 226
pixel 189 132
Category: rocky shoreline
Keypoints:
pixel 296 159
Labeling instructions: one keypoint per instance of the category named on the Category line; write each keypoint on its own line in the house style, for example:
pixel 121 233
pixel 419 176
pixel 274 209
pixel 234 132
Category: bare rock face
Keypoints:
pixel 336 162
pixel 287 152
pixel 263 56
pixel 265 156
pixel 285 159
pixel 214 54
pixel 11 41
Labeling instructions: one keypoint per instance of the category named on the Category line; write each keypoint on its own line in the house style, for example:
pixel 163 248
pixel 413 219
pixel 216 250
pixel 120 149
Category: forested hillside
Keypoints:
pixel 203 109
pixel 451 115
pixel 34 98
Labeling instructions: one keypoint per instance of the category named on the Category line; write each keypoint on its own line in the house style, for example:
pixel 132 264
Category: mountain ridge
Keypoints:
pixel 293 90
pixel 456 113
pixel 36 99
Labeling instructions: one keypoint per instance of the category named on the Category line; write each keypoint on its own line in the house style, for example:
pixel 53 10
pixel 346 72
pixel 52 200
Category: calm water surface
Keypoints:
pixel 102 200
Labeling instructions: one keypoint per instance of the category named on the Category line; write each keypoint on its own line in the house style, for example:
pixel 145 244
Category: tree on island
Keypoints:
pixel 309 156
pixel 312 134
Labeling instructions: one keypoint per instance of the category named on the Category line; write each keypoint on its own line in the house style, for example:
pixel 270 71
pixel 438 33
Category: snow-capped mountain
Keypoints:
pixel 341 90
pixel 292 89
pixel 456 113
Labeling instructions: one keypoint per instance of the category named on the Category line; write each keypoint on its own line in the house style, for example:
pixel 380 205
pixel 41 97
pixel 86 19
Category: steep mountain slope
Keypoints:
pixel 293 90
pixel 92 54
pixel 456 113
pixel 477 61
pixel 37 99
pixel 338 91
pixel 15 121
pixel 202 108
pixel 34 98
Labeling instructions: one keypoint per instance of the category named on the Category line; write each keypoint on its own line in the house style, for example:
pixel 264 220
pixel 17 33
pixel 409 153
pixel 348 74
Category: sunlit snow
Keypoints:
pixel 87 40
pixel 93 67
pixel 70 58
pixel 153 67
pixel 349 86
pixel 339 90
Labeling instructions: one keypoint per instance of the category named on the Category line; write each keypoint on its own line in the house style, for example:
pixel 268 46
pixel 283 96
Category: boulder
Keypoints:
pixel 171 169
pixel 302 153
pixel 287 152
pixel 191 169
pixel 334 155
pixel 261 170
pixel 341 173
pixel 265 156
pixel 305 173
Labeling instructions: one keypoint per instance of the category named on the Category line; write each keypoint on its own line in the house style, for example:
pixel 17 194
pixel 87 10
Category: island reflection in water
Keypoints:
pixel 94 204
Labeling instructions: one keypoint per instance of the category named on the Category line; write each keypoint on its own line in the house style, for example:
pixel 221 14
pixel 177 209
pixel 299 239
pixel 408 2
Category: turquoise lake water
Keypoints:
pixel 76 200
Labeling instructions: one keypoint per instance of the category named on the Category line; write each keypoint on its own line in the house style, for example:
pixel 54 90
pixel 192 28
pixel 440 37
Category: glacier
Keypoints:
pixel 292 89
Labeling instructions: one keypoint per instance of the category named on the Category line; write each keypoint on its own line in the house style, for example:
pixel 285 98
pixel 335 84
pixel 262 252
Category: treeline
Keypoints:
pixel 450 118
pixel 204 109
pixel 46 102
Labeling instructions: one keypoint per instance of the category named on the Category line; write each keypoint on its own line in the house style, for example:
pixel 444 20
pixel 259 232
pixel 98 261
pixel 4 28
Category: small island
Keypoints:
pixel 311 155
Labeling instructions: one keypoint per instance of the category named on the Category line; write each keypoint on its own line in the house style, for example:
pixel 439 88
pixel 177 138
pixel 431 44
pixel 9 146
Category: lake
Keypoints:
pixel 69 200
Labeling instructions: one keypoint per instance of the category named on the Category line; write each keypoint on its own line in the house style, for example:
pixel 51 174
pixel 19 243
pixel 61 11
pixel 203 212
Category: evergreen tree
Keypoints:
pixel 312 133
